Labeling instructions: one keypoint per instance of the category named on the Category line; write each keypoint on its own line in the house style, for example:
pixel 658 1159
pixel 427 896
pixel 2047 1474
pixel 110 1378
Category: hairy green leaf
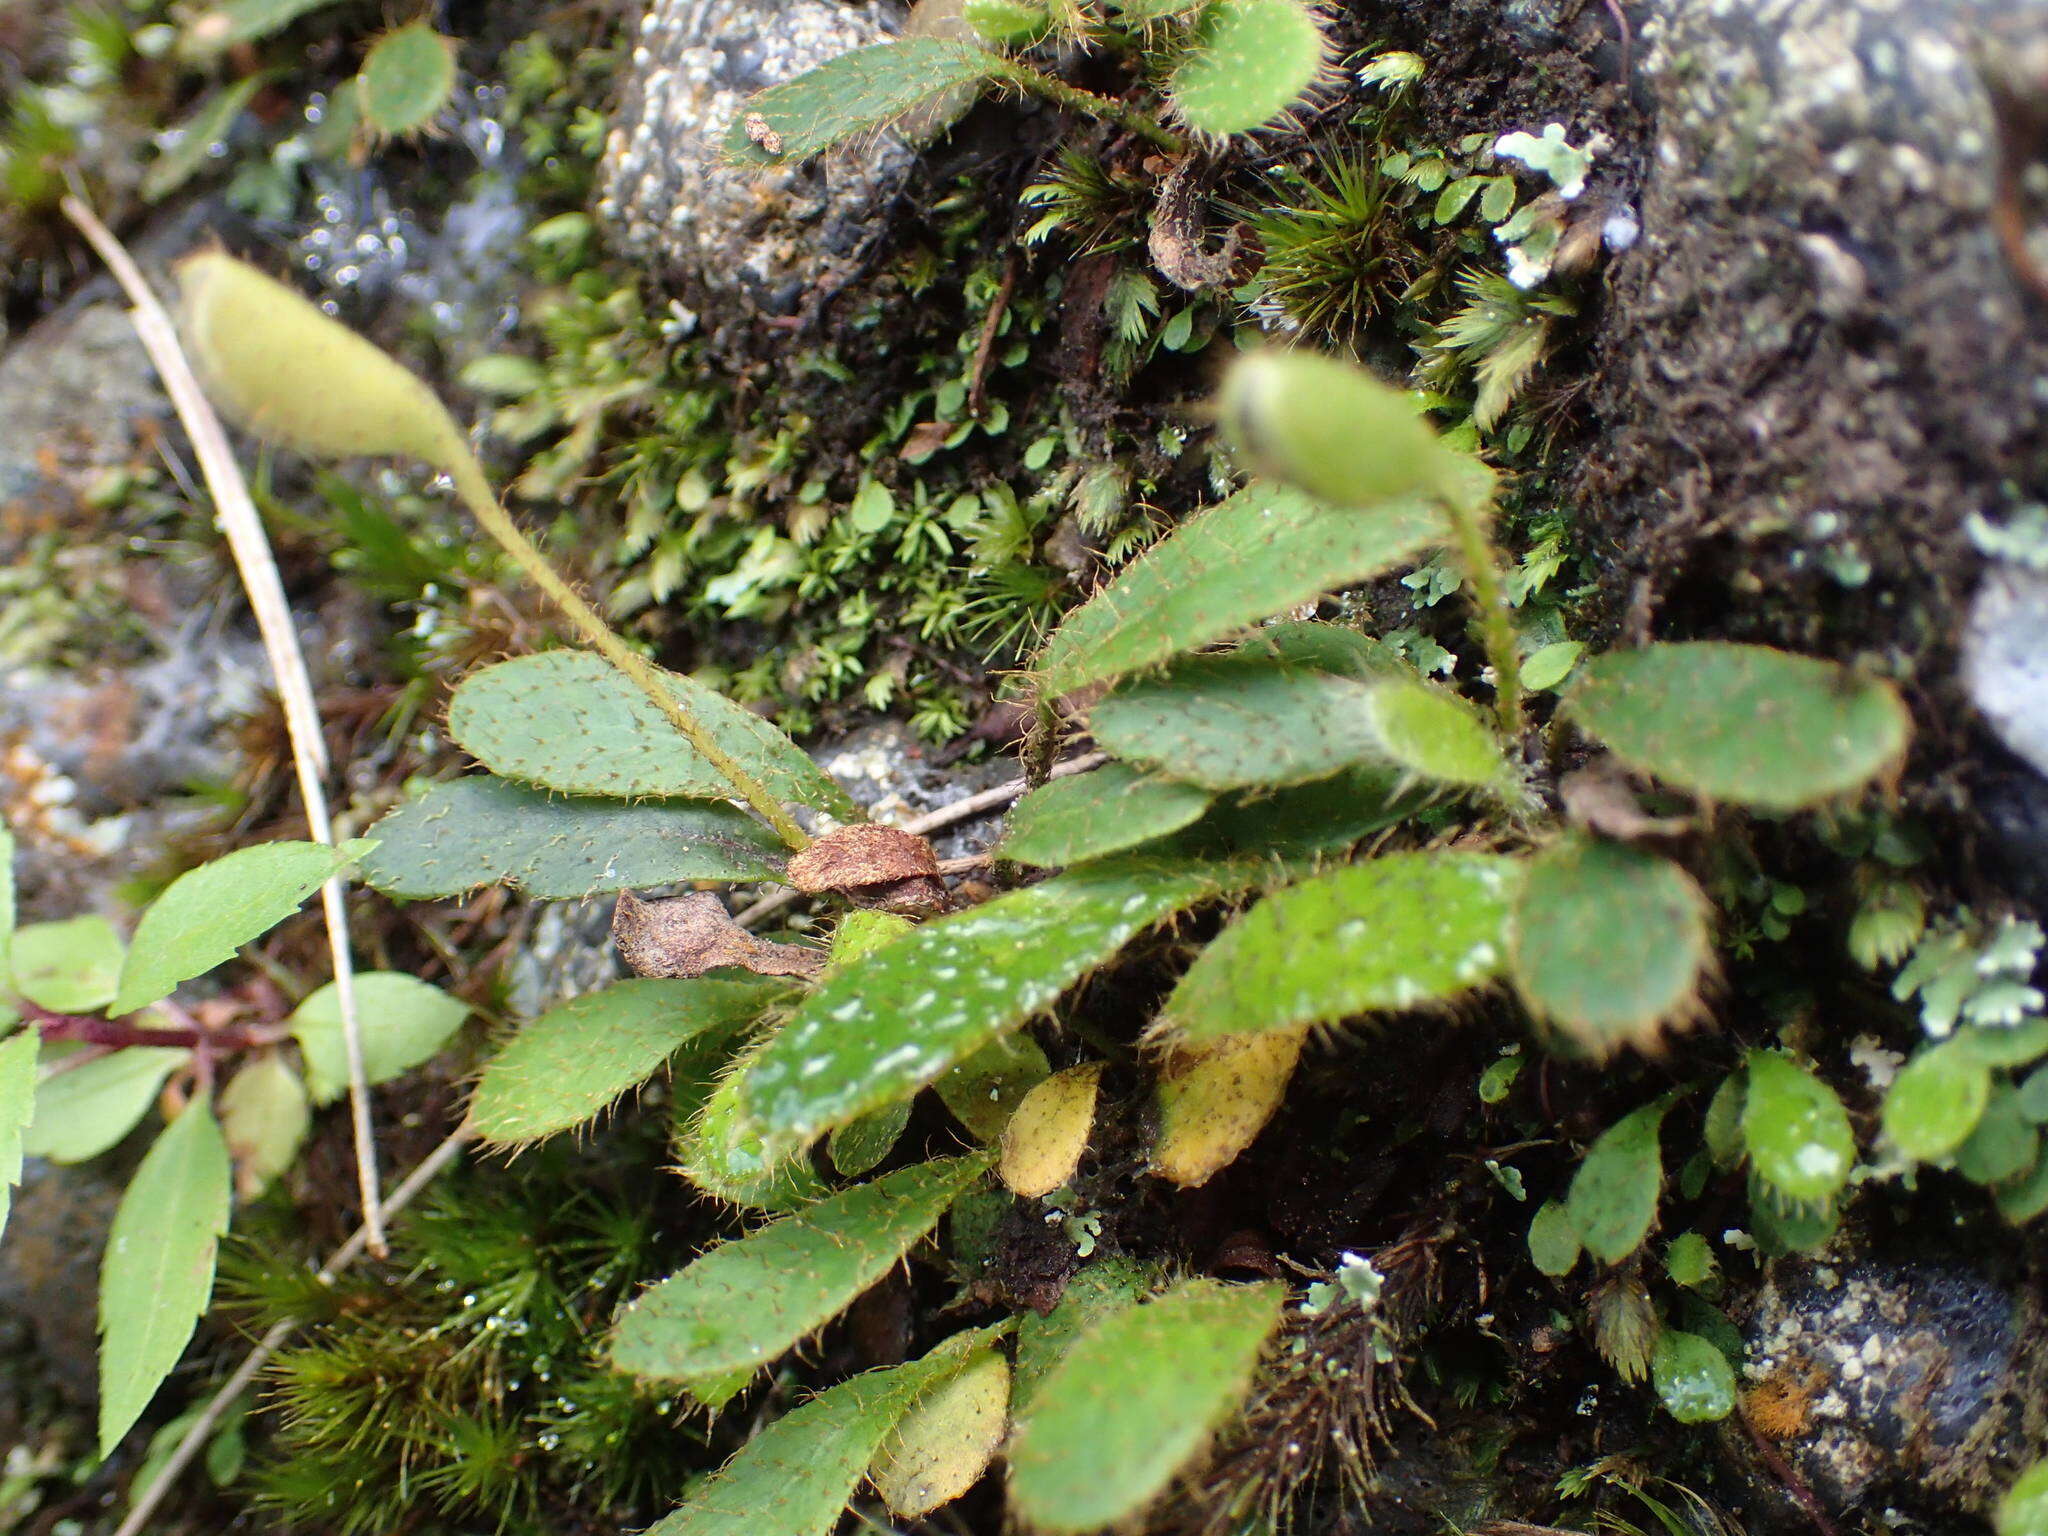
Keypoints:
pixel 402 1020
pixel 1936 1101
pixel 857 92
pixel 795 1477
pixel 1742 723
pixel 72 965
pixel 1693 1378
pixel 208 913
pixel 157 1275
pixel 1393 932
pixel 860 1145
pixel 724 1154
pixel 877 1031
pixel 1614 1194
pixel 480 830
pixel 17 1104
pixel 83 1111
pixel 571 721
pixel 1229 722
pixel 1609 942
pixel 1251 61
pixel 940 1448
pixel 1432 733
pixel 1301 822
pixel 572 1061
pixel 747 1301
pixel 407 77
pixel 1263 551
pixel 1134 1399
pixel 1796 1130
pixel 1115 808
pixel 1095 1291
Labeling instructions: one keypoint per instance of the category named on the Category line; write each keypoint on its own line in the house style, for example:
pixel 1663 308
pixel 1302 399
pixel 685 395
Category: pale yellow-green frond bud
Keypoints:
pixel 272 361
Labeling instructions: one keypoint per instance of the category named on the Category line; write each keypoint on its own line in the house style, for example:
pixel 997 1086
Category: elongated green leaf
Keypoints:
pixel 17 1104
pixel 570 721
pixel 1743 723
pixel 1614 1194
pixel 1433 734
pixel 940 1448
pixel 210 912
pixel 192 148
pixel 1796 1130
pixel 1609 942
pixel 1096 1290
pixel 1134 1400
pixel 747 1301
pixel 1251 61
pixel 795 1477
pixel 69 966
pixel 859 1146
pixel 572 1061
pixel 1072 820
pixel 855 93
pixel 1229 722
pixel 1393 932
pixel 402 1020
pixel 874 1032
pixel 480 830
pixel 1265 550
pixel 1302 822
pixel 83 1111
pixel 1936 1101
pixel 228 22
pixel 157 1275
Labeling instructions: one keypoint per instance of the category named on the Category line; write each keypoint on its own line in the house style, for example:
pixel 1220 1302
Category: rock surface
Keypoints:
pixel 730 238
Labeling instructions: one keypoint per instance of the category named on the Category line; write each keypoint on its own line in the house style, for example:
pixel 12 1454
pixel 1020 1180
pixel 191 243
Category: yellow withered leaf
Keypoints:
pixel 1213 1100
pixel 274 362
pixel 940 1448
pixel 1043 1143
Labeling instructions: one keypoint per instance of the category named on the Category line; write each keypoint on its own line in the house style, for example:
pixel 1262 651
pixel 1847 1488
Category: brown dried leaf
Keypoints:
pixel 690 935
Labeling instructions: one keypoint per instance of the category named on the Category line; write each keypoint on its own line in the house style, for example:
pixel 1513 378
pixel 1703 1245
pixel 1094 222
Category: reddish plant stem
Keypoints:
pixel 90 1029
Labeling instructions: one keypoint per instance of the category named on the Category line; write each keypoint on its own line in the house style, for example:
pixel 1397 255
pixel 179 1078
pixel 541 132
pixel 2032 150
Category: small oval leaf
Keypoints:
pixel 1796 1130
pixel 1043 1143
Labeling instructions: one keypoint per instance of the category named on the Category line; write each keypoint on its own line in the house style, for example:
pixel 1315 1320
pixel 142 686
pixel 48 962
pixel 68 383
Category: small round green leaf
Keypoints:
pixel 1796 1130
pixel 408 76
pixel 1742 723
pixel 1251 60
pixel 1609 942
pixel 1692 1377
pixel 1614 1194
pixel 1554 1239
pixel 1936 1101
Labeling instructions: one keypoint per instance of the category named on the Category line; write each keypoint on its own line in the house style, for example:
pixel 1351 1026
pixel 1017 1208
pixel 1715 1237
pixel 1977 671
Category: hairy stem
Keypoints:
pixel 476 493
pixel 1496 621
pixel 1047 88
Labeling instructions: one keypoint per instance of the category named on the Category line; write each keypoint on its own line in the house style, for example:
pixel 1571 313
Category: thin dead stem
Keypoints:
pixel 251 549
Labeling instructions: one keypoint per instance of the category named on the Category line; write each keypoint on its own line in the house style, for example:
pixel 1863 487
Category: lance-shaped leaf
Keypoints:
pixel 1742 723
pixel 17 1103
pixel 795 1477
pixel 1609 942
pixel 567 1065
pixel 208 913
pixel 1796 1130
pixel 1304 821
pixel 1251 60
pixel 1265 550
pixel 1088 815
pixel 157 1275
pixel 1134 1400
pixel 477 831
pixel 1393 932
pixel 747 1301
pixel 857 92
pixel 1433 734
pixel 84 1110
pixel 1614 1194
pixel 403 1022
pixel 874 1032
pixel 570 721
